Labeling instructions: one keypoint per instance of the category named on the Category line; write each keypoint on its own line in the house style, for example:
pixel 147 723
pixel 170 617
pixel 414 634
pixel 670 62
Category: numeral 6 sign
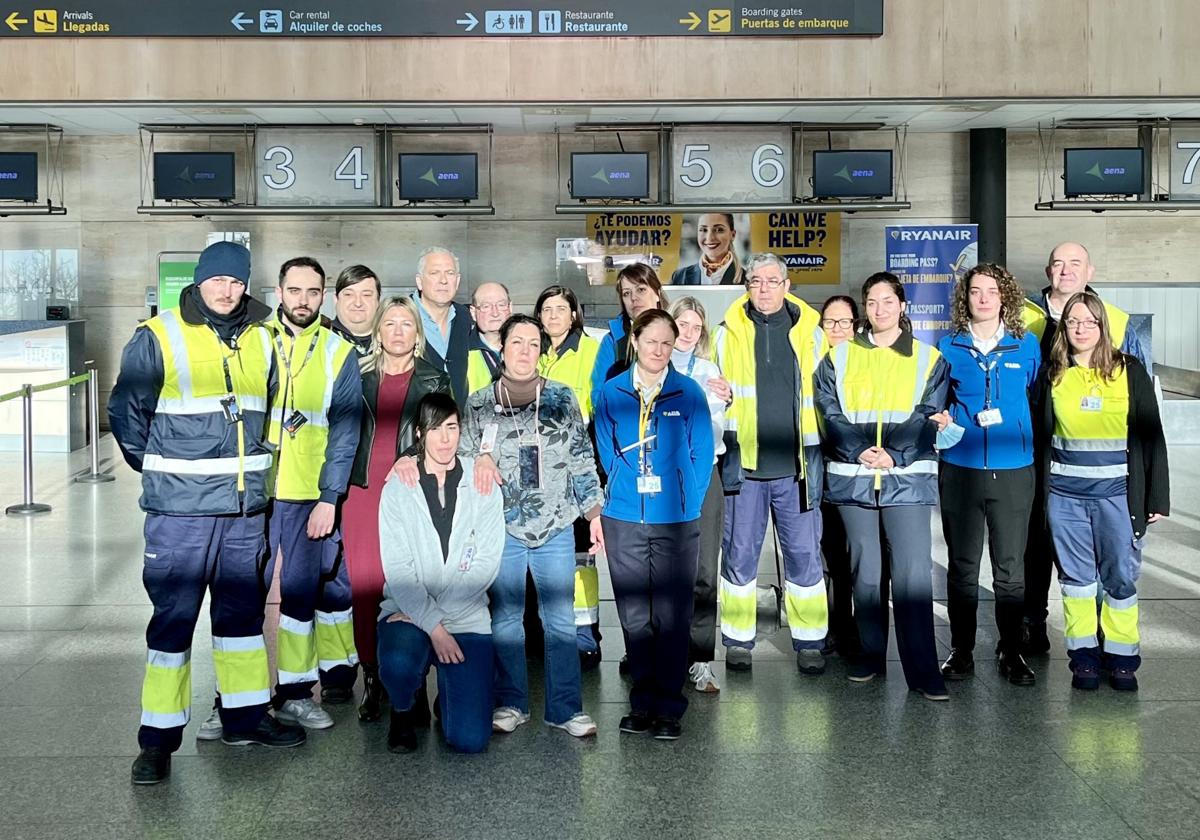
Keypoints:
pixel 714 165
pixel 315 167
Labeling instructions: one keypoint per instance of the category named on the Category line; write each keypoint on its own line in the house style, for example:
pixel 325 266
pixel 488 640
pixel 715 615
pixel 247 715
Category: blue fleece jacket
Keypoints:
pixel 681 454
pixel 1002 379
pixel 610 359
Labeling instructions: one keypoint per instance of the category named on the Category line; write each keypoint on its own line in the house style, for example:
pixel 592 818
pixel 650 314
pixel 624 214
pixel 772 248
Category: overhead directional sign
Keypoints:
pixel 446 18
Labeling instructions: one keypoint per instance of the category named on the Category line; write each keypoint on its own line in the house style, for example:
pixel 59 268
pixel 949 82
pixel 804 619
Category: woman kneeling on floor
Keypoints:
pixel 440 542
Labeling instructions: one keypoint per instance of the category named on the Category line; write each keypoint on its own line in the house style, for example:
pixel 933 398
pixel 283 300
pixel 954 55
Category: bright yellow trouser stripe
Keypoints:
pixel 1120 622
pixel 1079 612
pixel 335 641
pixel 297 654
pixel 587 596
pixel 807 611
pixel 166 694
pixel 739 608
pixel 242 674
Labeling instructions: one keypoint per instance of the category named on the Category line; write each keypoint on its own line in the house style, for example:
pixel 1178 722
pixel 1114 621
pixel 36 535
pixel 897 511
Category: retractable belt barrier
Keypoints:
pixel 29 507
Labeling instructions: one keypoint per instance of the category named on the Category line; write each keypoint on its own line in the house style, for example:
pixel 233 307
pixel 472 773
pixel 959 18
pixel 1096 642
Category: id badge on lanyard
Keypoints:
pixel 1091 402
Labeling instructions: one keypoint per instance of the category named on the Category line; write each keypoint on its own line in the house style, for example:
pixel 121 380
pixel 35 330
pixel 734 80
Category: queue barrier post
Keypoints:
pixel 93 475
pixel 29 507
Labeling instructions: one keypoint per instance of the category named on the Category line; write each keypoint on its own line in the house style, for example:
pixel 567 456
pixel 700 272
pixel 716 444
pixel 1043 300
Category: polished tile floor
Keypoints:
pixel 775 755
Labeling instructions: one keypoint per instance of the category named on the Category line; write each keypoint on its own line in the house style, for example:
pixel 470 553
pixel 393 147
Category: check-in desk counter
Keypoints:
pixel 36 353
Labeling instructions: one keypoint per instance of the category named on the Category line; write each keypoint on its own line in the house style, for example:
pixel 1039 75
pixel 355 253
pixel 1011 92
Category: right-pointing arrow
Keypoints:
pixel 693 20
pixel 469 21
pixel 240 21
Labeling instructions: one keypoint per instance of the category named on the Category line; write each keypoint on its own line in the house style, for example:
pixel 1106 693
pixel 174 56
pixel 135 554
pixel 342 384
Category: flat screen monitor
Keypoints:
pixel 856 173
pixel 19 176
pixel 439 177
pixel 1115 171
pixel 193 175
pixel 610 175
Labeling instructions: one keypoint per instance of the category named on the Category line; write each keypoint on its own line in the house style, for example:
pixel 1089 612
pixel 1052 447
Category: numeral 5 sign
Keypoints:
pixel 315 167
pixel 722 165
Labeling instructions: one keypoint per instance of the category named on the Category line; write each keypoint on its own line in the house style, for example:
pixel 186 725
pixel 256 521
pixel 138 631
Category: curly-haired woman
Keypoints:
pixel 986 480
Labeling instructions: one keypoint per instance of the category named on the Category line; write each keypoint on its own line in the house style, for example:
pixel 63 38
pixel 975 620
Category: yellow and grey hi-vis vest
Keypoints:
pixel 308 365
pixel 197 462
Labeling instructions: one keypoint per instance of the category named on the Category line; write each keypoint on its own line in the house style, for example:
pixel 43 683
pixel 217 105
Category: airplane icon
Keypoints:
pixel 45 20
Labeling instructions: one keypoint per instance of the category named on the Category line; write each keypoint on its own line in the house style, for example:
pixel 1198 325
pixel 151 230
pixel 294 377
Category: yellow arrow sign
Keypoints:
pixel 13 20
pixel 693 20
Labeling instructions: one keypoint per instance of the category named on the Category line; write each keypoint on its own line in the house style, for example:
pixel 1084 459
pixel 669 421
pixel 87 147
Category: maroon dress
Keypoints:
pixel 360 516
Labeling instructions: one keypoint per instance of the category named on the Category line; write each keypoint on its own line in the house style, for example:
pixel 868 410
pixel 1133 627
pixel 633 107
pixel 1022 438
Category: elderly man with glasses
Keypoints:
pixel 770 344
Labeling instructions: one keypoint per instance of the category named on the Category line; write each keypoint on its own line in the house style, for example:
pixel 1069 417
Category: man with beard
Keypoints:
pixel 189 411
pixel 314 426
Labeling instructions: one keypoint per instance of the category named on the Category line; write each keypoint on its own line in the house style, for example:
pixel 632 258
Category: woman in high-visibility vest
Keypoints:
pixel 876 395
pixel 1105 472
pixel 693 358
pixel 570 360
pixel 839 318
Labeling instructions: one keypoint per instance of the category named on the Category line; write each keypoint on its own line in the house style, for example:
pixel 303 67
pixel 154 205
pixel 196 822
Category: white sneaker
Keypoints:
pixel 307 713
pixel 506 719
pixel 701 674
pixel 580 725
pixel 211 729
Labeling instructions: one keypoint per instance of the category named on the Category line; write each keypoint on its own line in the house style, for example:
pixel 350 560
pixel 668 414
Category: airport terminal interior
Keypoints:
pixel 559 144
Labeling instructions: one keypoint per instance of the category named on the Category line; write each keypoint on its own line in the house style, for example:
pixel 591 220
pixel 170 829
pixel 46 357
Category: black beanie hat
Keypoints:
pixel 223 259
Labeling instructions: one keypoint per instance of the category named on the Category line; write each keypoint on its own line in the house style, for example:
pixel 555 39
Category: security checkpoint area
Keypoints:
pixel 241 249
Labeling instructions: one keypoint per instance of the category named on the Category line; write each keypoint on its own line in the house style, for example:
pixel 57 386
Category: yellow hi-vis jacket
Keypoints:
pixel 881 396
pixel 572 366
pixel 308 365
pixel 197 462
pixel 734 342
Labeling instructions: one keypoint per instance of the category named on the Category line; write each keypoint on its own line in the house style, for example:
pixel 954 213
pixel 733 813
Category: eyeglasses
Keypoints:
pixel 840 323
pixel 450 274
pixel 1083 324
pixel 503 306
pixel 765 283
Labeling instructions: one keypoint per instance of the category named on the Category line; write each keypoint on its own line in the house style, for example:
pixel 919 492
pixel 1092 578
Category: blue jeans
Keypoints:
pixel 464 690
pixel 552 565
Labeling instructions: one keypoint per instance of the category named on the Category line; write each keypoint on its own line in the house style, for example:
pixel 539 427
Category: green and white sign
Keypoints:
pixel 175 270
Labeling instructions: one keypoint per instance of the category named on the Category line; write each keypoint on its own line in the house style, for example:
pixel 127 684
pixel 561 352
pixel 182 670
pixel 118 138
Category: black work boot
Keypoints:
pixel 402 734
pixel 153 765
pixel 371 706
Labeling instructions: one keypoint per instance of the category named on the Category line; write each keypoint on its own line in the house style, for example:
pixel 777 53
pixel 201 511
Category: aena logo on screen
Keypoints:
pixel 1097 172
pixel 607 176
pixel 848 174
pixel 188 176
pixel 8 176
pixel 436 178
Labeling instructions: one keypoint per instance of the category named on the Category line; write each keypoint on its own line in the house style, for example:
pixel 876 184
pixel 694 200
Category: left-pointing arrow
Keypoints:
pixel 241 21
pixel 14 20
pixel 468 20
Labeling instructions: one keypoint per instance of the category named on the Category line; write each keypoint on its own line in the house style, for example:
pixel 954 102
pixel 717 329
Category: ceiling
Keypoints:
pixel 919 116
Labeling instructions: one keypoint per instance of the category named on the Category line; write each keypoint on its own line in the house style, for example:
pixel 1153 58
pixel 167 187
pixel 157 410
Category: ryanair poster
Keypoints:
pixel 810 244
pixel 929 260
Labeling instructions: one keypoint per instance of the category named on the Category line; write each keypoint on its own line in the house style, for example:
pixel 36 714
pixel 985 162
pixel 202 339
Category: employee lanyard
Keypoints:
pixel 290 399
pixel 987 368
pixel 645 418
pixel 537 407
pixel 225 357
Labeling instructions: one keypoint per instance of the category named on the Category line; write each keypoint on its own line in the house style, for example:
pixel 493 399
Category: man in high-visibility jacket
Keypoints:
pixel 768 348
pixel 490 307
pixel 1069 271
pixel 314 429
pixel 189 411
